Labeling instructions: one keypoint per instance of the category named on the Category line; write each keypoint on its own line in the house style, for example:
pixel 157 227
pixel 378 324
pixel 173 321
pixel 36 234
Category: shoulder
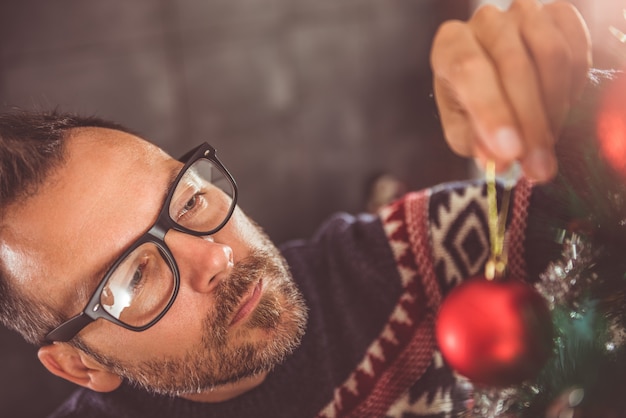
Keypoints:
pixel 342 242
pixel 346 270
pixel 339 225
pixel 85 403
pixel 77 406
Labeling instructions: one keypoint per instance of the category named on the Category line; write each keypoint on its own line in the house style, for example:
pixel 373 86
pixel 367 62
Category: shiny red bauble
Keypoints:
pixel 495 332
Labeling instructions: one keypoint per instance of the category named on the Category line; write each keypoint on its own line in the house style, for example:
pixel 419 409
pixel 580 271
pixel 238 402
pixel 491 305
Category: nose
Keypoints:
pixel 202 263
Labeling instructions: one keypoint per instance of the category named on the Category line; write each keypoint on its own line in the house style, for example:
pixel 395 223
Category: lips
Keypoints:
pixel 249 303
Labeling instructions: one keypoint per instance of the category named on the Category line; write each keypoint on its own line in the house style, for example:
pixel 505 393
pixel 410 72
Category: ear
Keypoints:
pixel 71 364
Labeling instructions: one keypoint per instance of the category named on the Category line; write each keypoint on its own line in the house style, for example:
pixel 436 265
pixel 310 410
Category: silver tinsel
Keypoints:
pixel 492 403
pixel 560 283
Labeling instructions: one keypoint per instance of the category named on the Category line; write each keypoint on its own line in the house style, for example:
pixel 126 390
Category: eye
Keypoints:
pixel 137 281
pixel 191 208
pixel 191 203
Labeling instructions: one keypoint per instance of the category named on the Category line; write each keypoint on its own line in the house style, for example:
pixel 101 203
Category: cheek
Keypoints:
pixel 183 325
pixel 243 234
pixel 178 331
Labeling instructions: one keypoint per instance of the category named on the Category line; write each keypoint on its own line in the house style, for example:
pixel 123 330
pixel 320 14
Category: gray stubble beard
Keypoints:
pixel 280 315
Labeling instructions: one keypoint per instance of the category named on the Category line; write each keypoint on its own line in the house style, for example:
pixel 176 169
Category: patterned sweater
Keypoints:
pixel 373 285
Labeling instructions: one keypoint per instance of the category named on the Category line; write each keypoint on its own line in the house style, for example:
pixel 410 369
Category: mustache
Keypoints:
pixel 230 291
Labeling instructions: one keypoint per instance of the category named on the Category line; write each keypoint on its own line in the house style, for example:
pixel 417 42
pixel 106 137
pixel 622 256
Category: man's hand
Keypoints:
pixel 504 82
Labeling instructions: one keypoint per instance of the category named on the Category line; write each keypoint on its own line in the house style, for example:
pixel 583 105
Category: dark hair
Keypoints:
pixel 32 145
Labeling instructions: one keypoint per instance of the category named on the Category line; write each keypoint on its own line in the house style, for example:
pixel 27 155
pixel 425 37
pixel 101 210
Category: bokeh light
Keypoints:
pixel 611 125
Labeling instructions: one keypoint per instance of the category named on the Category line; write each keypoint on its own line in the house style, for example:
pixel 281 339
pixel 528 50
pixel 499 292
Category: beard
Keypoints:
pixel 223 356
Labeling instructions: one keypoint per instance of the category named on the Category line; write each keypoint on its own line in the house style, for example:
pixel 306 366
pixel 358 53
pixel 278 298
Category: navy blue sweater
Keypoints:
pixel 372 285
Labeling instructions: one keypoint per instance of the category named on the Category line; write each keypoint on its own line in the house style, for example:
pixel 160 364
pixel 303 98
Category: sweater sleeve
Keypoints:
pixel 442 234
pixel 438 238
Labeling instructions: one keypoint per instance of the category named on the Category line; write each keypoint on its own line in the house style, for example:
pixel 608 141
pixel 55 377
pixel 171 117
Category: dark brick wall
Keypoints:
pixel 304 100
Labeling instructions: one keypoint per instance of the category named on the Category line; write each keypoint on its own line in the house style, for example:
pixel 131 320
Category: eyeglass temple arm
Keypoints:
pixel 69 329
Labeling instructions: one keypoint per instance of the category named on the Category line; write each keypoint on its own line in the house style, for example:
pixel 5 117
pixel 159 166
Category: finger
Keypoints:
pixel 558 41
pixel 576 33
pixel 552 59
pixel 461 136
pixel 516 71
pixel 469 91
pixel 456 129
pixel 481 159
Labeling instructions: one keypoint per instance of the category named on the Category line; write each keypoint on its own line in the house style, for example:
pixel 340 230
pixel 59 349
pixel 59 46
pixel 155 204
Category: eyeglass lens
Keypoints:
pixel 140 287
pixel 143 283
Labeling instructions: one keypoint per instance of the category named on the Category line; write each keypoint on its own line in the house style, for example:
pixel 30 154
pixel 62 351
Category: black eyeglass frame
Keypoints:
pixel 155 235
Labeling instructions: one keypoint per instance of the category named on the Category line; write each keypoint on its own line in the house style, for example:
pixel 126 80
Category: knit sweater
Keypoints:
pixel 373 285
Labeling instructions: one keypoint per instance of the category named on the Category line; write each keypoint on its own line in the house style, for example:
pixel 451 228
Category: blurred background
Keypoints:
pixel 307 102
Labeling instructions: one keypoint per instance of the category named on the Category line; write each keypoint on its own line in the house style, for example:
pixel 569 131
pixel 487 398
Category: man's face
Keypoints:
pixel 237 312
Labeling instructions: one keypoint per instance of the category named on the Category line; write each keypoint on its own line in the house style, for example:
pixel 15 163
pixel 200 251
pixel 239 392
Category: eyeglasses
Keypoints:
pixel 142 284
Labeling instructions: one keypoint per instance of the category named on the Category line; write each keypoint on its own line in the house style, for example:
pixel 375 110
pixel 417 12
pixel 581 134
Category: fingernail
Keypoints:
pixel 511 175
pixel 540 165
pixel 507 143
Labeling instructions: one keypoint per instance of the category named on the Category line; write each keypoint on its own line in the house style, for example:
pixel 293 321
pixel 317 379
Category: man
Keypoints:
pixel 144 282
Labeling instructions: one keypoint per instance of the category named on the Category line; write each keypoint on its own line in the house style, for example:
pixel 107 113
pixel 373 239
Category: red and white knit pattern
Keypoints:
pixel 406 347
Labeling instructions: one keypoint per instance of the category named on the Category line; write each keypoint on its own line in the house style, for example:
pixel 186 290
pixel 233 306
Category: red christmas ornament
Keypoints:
pixel 495 332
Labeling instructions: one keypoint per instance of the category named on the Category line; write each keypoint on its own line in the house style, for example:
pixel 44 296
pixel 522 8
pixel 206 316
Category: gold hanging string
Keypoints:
pixel 496 265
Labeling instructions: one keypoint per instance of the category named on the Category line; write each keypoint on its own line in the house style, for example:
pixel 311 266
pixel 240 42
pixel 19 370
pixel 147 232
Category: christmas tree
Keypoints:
pixel 581 230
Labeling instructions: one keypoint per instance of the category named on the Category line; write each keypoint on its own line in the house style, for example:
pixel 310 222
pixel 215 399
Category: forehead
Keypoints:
pixel 107 192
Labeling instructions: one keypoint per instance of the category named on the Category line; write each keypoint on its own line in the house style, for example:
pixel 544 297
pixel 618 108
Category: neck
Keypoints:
pixel 227 392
